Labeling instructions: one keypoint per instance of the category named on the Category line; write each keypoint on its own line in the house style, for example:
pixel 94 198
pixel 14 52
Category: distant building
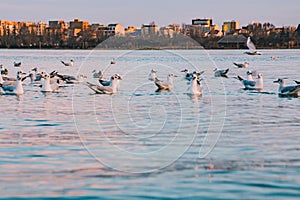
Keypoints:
pixel 77 26
pixel 202 22
pixel 114 29
pixel 131 29
pixel 230 27
pixel 149 29
pixel 233 41
pixel 201 27
pixel 40 28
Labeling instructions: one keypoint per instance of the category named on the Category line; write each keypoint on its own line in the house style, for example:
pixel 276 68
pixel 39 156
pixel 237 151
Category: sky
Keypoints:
pixel 162 12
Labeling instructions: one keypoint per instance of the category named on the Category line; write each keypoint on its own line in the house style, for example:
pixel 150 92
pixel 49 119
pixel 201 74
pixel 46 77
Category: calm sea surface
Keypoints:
pixel 227 144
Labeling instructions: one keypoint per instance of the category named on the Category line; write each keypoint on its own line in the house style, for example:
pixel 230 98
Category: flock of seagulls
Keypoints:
pixel 51 82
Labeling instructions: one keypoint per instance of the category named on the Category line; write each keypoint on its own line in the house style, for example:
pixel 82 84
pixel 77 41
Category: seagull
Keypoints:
pixel 152 75
pixel 250 84
pixel 47 86
pixel 16 89
pixel 241 65
pixel 252 48
pixel 189 76
pixel 35 75
pixel 96 74
pixel 287 91
pixel 109 83
pixel 3 70
pixel 17 64
pixel 68 78
pixel 112 89
pixel 221 72
pixel 68 64
pixel 297 82
pixel 196 87
pixel 166 85
pixel 112 62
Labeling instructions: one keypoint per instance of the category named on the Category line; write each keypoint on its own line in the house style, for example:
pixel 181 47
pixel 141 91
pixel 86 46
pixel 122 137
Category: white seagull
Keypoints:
pixel 152 75
pixel 196 87
pixel 112 89
pixel 98 74
pixel 16 89
pixel 221 72
pixel 241 65
pixel 166 85
pixel 287 91
pixel 250 84
pixel 252 48
pixel 47 86
pixel 68 64
pixel 189 75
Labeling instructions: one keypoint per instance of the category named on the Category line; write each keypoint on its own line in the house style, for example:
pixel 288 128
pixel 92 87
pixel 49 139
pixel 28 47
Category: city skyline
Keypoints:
pixel 161 12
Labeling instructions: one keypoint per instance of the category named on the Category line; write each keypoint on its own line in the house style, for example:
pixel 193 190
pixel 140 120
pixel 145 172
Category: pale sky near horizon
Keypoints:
pixel 163 12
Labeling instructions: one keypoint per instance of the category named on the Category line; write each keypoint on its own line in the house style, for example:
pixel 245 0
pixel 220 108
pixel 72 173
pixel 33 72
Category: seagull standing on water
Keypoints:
pixel 287 91
pixel 112 89
pixel 166 85
pixel 68 64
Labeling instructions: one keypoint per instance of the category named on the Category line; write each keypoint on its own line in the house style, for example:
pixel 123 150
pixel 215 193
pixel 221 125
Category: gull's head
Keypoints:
pixel 280 81
pixel 185 70
pixel 153 71
pixel 117 77
pixel 259 75
pixel 172 75
pixel 249 72
pixel 216 69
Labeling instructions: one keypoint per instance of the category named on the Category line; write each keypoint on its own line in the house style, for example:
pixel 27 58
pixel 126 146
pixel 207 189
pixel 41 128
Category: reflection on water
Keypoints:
pixel 75 143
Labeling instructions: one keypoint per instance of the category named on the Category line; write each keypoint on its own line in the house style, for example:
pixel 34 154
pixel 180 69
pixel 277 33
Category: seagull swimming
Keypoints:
pixel 221 72
pixel 112 89
pixel 112 62
pixel 152 75
pixel 96 74
pixel 69 79
pixel 250 84
pixel 16 89
pixel 287 91
pixel 68 64
pixel 17 64
pixel 189 75
pixel 196 87
pixel 297 82
pixel 47 86
pixel 241 65
pixel 109 82
pixel 166 85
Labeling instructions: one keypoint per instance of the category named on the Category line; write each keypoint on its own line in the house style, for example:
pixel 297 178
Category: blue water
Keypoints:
pixel 140 144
